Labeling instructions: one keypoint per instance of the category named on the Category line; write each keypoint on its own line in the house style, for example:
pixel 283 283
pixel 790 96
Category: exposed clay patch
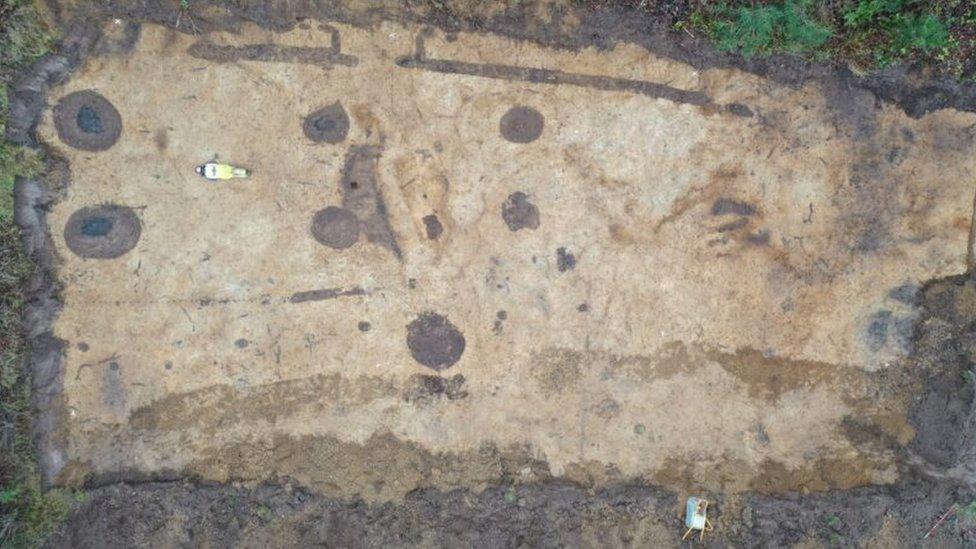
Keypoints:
pixel 85 120
pixel 434 341
pixel 102 232
pixel 518 213
pixel 327 125
pixel 337 228
pixel 870 239
pixel 663 286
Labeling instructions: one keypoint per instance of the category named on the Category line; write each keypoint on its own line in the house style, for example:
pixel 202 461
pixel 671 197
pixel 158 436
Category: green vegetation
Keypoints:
pixel 764 29
pixel 27 515
pixel 966 514
pixel 866 34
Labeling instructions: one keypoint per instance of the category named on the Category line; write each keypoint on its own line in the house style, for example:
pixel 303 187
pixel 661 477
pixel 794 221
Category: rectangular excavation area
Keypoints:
pixel 462 259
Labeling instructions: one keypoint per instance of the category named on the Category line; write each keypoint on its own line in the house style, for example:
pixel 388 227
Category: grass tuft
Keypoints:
pixel 761 30
pixel 865 34
pixel 27 514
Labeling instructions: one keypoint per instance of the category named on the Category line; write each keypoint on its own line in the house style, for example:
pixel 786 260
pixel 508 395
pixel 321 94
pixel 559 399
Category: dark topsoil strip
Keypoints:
pixel 941 459
pixel 600 24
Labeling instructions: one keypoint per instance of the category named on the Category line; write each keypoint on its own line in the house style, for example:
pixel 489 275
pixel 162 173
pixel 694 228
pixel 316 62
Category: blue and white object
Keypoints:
pixel 695 511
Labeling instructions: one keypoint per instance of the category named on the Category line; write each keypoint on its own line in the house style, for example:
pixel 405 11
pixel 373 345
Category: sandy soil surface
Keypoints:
pixel 464 259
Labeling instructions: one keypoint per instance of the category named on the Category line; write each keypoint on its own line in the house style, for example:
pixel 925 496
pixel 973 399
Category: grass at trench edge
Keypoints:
pixel 28 515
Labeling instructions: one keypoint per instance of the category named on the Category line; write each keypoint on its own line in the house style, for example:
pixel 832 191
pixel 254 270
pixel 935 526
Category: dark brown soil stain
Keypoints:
pixel 595 24
pixel 907 293
pixel 539 75
pixel 823 474
pixel 113 393
pixel 327 125
pixel 161 139
pixel 565 261
pixel 102 232
pixel 434 341
pixel 220 405
pixel 738 109
pixel 322 295
pixel 433 227
pixel 521 124
pixel 271 53
pixel 361 195
pixel 85 120
pixel 518 213
pixel 725 206
pixel 423 389
pixel 499 324
pixel 759 238
pixel 732 225
pixel 718 182
pixel 944 344
pixel 337 228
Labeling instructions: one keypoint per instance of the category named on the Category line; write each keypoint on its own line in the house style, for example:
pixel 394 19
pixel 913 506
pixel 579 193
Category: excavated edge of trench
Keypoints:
pixel 936 474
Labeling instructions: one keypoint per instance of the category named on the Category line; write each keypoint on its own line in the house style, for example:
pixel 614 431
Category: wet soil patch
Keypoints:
pixel 518 213
pixel 434 342
pixel 521 124
pixel 88 120
pixel 336 228
pixel 327 125
pixel 85 120
pixel 102 232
